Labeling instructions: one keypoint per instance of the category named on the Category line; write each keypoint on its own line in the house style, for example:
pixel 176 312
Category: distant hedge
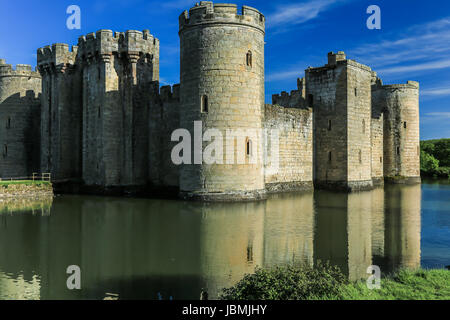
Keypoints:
pixel 435 158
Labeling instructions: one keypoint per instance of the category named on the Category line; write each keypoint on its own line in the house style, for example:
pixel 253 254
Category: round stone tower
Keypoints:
pixel 401 132
pixel 19 120
pixel 222 99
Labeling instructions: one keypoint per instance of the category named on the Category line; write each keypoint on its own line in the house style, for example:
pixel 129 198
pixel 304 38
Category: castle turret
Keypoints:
pixel 95 114
pixel 400 106
pixel 19 120
pixel 118 70
pixel 222 85
pixel 61 111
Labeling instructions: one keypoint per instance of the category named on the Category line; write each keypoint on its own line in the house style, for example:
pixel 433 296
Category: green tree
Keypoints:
pixel 442 152
pixel 428 163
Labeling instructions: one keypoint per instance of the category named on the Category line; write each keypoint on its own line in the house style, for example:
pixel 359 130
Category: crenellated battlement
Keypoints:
pixel 21 70
pixel 104 43
pixel 296 99
pixel 58 55
pixel 407 85
pixel 169 93
pixel 206 12
pixel 99 45
pixel 335 60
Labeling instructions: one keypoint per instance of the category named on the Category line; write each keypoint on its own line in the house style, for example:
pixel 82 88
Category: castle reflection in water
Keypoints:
pixel 139 248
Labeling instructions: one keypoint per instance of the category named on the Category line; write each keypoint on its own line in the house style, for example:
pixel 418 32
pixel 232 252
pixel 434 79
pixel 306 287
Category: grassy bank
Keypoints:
pixel 325 282
pixel 25 189
pixel 24 182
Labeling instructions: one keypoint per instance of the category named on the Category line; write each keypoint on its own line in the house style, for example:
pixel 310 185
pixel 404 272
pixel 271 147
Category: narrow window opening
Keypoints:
pixel 8 123
pixel 5 151
pixel 356 92
pixel 329 156
pixel 404 124
pixel 248 147
pixel 204 104
pixel 360 156
pixel 249 58
pixel 99 113
pixel 250 253
pixel 381 159
pixel 398 150
pixel 329 125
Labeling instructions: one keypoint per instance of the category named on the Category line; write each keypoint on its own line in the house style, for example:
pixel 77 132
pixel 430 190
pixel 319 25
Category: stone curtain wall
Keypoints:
pixel 296 99
pixel 295 148
pixel 19 120
pixel 215 41
pixel 164 118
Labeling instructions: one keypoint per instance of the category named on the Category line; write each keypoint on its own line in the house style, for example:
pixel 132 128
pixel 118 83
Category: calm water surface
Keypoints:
pixel 146 249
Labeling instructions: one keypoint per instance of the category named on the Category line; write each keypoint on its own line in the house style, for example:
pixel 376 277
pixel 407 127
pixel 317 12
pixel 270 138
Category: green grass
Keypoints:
pixel 327 283
pixel 403 285
pixel 24 182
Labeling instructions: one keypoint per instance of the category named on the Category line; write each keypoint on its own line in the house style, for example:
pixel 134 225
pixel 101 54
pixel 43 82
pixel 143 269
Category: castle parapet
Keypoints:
pixel 333 58
pixel 21 70
pixel 407 85
pixel 296 99
pixel 131 43
pixel 58 56
pixel 206 12
pixel 170 93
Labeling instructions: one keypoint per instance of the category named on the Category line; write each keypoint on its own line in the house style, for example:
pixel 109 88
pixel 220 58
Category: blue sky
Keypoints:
pixel 413 43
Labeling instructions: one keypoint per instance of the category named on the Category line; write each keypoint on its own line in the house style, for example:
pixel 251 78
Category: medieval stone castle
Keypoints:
pixel 94 115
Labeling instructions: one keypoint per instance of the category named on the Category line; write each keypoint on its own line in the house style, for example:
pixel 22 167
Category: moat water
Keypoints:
pixel 161 249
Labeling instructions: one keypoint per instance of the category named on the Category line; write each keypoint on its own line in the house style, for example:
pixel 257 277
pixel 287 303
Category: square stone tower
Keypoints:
pixel 95 107
pixel 340 95
pixel 60 111
pixel 118 70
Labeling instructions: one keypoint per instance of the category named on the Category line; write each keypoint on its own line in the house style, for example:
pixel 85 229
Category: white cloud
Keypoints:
pixel 438 114
pixel 436 91
pixel 290 74
pixel 298 13
pixel 438 64
pixel 424 47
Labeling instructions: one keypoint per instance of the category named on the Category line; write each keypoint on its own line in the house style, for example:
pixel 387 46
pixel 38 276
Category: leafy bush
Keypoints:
pixel 287 283
pixel 325 282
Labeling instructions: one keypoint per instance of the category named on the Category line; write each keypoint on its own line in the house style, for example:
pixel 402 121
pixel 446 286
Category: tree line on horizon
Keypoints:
pixel 435 158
